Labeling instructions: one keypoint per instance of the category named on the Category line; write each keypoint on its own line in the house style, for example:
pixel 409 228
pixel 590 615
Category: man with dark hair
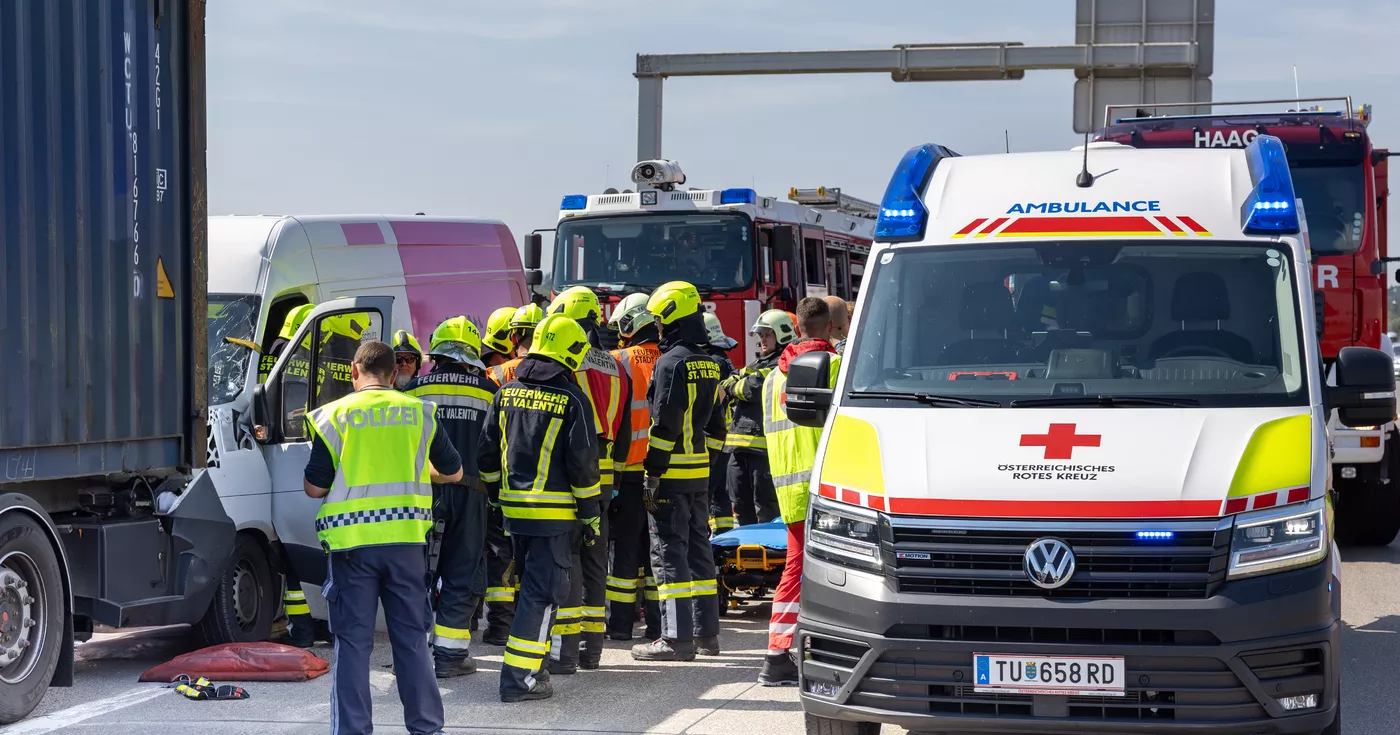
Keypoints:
pixel 792 450
pixel 374 456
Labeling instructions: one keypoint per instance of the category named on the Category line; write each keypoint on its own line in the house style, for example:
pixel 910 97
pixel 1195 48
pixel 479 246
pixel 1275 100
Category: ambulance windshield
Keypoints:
pixel 1209 325
pixel 713 251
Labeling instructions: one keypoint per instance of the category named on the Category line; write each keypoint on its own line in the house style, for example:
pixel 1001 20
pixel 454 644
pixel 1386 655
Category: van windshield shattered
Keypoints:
pixel 1082 323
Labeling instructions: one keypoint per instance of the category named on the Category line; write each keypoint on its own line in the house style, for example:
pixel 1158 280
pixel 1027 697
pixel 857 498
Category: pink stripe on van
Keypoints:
pixel 428 232
pixel 362 233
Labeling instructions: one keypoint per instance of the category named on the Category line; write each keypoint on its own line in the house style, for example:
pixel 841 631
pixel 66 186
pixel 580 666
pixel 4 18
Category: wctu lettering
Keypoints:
pixel 1141 205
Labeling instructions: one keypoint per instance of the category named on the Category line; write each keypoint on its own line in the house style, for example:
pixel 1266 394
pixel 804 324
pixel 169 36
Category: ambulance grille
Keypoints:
pixel 971 558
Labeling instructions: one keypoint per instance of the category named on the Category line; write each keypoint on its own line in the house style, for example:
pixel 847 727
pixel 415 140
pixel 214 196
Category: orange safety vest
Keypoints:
pixel 505 372
pixel 638 361
pixel 600 377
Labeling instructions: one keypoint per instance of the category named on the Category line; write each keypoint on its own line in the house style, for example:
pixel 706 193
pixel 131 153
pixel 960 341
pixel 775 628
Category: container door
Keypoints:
pixel 310 375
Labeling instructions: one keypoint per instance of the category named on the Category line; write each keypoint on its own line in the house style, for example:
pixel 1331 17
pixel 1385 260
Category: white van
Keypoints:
pixel 399 272
pixel 1075 468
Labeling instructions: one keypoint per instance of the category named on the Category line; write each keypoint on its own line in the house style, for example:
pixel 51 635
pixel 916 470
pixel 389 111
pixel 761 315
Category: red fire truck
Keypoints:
pixel 745 252
pixel 1341 179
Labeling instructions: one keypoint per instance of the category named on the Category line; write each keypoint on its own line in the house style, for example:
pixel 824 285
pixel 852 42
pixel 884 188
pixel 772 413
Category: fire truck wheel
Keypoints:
pixel 1368 513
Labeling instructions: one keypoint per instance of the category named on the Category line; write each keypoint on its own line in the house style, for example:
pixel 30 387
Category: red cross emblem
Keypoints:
pixel 1060 441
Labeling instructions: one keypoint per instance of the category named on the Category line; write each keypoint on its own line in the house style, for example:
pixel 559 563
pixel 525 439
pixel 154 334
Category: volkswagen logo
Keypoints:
pixel 1049 563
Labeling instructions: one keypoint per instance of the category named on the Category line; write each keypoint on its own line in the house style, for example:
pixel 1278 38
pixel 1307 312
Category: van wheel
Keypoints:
pixel 245 603
pixel 826 726
pixel 31 615
pixel 1368 513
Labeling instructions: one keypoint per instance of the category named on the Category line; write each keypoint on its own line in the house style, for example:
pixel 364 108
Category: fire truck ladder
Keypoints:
pixel 824 197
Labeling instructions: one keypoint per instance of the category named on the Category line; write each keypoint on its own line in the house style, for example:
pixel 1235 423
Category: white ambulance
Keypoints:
pixel 1075 469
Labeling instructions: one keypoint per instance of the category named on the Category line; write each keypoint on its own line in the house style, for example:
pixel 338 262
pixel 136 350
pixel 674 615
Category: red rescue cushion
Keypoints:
pixel 242 662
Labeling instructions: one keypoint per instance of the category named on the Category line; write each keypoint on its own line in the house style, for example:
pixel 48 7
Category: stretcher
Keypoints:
pixel 748 563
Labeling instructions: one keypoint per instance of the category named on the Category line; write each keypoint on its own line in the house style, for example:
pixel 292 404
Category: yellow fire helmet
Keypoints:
pixel 673 301
pixel 497 336
pixel 560 338
pixel 526 318
pixel 778 321
pixel 631 315
pixel 292 323
pixel 577 303
pixel 715 331
pixel 457 339
pixel 346 325
pixel 405 342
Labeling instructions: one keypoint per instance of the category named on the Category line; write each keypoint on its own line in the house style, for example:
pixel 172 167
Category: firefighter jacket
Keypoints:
pixel 638 361
pixel 685 424
pixel 745 388
pixel 462 395
pixel 505 372
pixel 539 453
pixel 601 379
pixel 792 449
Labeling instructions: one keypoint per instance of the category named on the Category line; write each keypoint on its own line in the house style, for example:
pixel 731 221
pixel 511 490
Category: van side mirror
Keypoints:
pixel 1365 391
pixel 783 243
pixel 809 389
pixel 262 428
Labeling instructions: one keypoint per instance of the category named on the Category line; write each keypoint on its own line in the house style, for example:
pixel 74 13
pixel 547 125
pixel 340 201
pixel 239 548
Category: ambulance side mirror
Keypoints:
pixel 809 389
pixel 1365 391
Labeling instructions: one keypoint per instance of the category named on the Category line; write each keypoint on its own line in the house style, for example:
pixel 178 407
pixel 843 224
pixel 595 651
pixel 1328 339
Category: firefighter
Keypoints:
pixel 374 456
pixel 721 499
pixel 497 343
pixel 631 563
pixel 684 428
pixel 462 393
pixel 522 330
pixel 408 359
pixel 290 325
pixel 498 348
pixel 747 474
pixel 600 378
pixel 792 450
pixel 539 456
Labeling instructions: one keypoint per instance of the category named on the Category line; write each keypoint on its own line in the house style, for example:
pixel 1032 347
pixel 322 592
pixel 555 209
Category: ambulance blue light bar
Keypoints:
pixel 903 216
pixel 1271 208
pixel 574 201
pixel 738 196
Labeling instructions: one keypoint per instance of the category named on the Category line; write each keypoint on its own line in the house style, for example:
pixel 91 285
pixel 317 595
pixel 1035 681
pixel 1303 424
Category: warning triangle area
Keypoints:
pixel 163 289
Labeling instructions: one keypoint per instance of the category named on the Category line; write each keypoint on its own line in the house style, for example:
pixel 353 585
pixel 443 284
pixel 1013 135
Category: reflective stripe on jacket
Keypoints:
pixel 600 377
pixel 383 491
pixel 462 395
pixel 792 449
pixel 638 362
pixel 746 389
pixel 505 372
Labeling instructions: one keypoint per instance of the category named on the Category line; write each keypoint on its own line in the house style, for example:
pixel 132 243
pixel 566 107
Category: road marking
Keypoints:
pixel 73 715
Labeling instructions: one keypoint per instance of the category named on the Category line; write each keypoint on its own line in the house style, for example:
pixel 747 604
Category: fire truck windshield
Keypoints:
pixel 1333 200
pixel 713 251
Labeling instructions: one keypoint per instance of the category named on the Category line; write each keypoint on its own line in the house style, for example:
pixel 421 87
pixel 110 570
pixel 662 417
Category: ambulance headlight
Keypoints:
pixel 1279 538
pixel 657 173
pixel 844 534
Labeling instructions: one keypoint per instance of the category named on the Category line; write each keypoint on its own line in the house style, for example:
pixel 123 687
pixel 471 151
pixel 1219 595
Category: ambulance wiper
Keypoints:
pixel 1103 400
pixel 927 398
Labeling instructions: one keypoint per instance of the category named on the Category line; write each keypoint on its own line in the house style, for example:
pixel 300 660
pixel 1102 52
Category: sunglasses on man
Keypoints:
pixel 405 359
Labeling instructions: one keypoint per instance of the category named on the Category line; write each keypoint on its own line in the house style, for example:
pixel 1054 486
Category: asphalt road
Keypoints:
pixel 712 696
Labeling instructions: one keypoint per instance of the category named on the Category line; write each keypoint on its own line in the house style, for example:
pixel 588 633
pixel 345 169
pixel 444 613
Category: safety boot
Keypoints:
pixel 779 670
pixel 445 668
pixel 591 655
pixel 707 645
pixel 662 649
pixel 561 667
pixel 495 636
pixel 542 689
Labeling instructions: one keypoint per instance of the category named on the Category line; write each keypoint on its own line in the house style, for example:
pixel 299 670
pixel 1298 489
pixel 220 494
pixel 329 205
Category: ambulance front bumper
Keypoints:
pixel 1217 664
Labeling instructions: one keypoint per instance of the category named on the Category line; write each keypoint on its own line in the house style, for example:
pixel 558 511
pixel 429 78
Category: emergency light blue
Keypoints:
pixel 738 196
pixel 574 201
pixel 903 216
pixel 1271 208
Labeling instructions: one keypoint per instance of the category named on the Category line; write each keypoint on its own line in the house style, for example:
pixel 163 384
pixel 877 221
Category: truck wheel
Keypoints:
pixel 246 600
pixel 826 726
pixel 1368 513
pixel 31 615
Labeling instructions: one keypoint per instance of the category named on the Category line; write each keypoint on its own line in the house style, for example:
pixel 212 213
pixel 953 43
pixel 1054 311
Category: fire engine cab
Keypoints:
pixel 744 251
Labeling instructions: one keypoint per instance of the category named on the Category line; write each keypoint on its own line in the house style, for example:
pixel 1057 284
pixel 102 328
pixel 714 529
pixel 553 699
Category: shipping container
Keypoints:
pixel 102 217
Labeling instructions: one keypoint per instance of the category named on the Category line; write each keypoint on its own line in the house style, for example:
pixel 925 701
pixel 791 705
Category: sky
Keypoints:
pixel 498 109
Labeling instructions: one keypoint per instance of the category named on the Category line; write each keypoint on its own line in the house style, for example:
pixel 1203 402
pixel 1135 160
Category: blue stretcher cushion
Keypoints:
pixel 768 535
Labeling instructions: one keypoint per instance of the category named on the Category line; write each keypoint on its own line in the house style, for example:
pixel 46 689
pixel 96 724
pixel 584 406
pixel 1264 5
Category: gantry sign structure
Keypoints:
pixel 1127 52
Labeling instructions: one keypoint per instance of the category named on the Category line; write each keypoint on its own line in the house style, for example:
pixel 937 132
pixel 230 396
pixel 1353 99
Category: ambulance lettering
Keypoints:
pixel 1141 205
pixel 1218 138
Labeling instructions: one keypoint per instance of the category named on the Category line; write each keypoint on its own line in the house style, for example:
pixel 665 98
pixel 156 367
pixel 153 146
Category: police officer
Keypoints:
pixel 684 428
pixel 631 561
pixel 747 474
pixel 498 348
pixel 539 456
pixel 462 393
pixel 374 455
pixel 522 330
pixel 721 500
pixel 408 358
pixel 600 378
